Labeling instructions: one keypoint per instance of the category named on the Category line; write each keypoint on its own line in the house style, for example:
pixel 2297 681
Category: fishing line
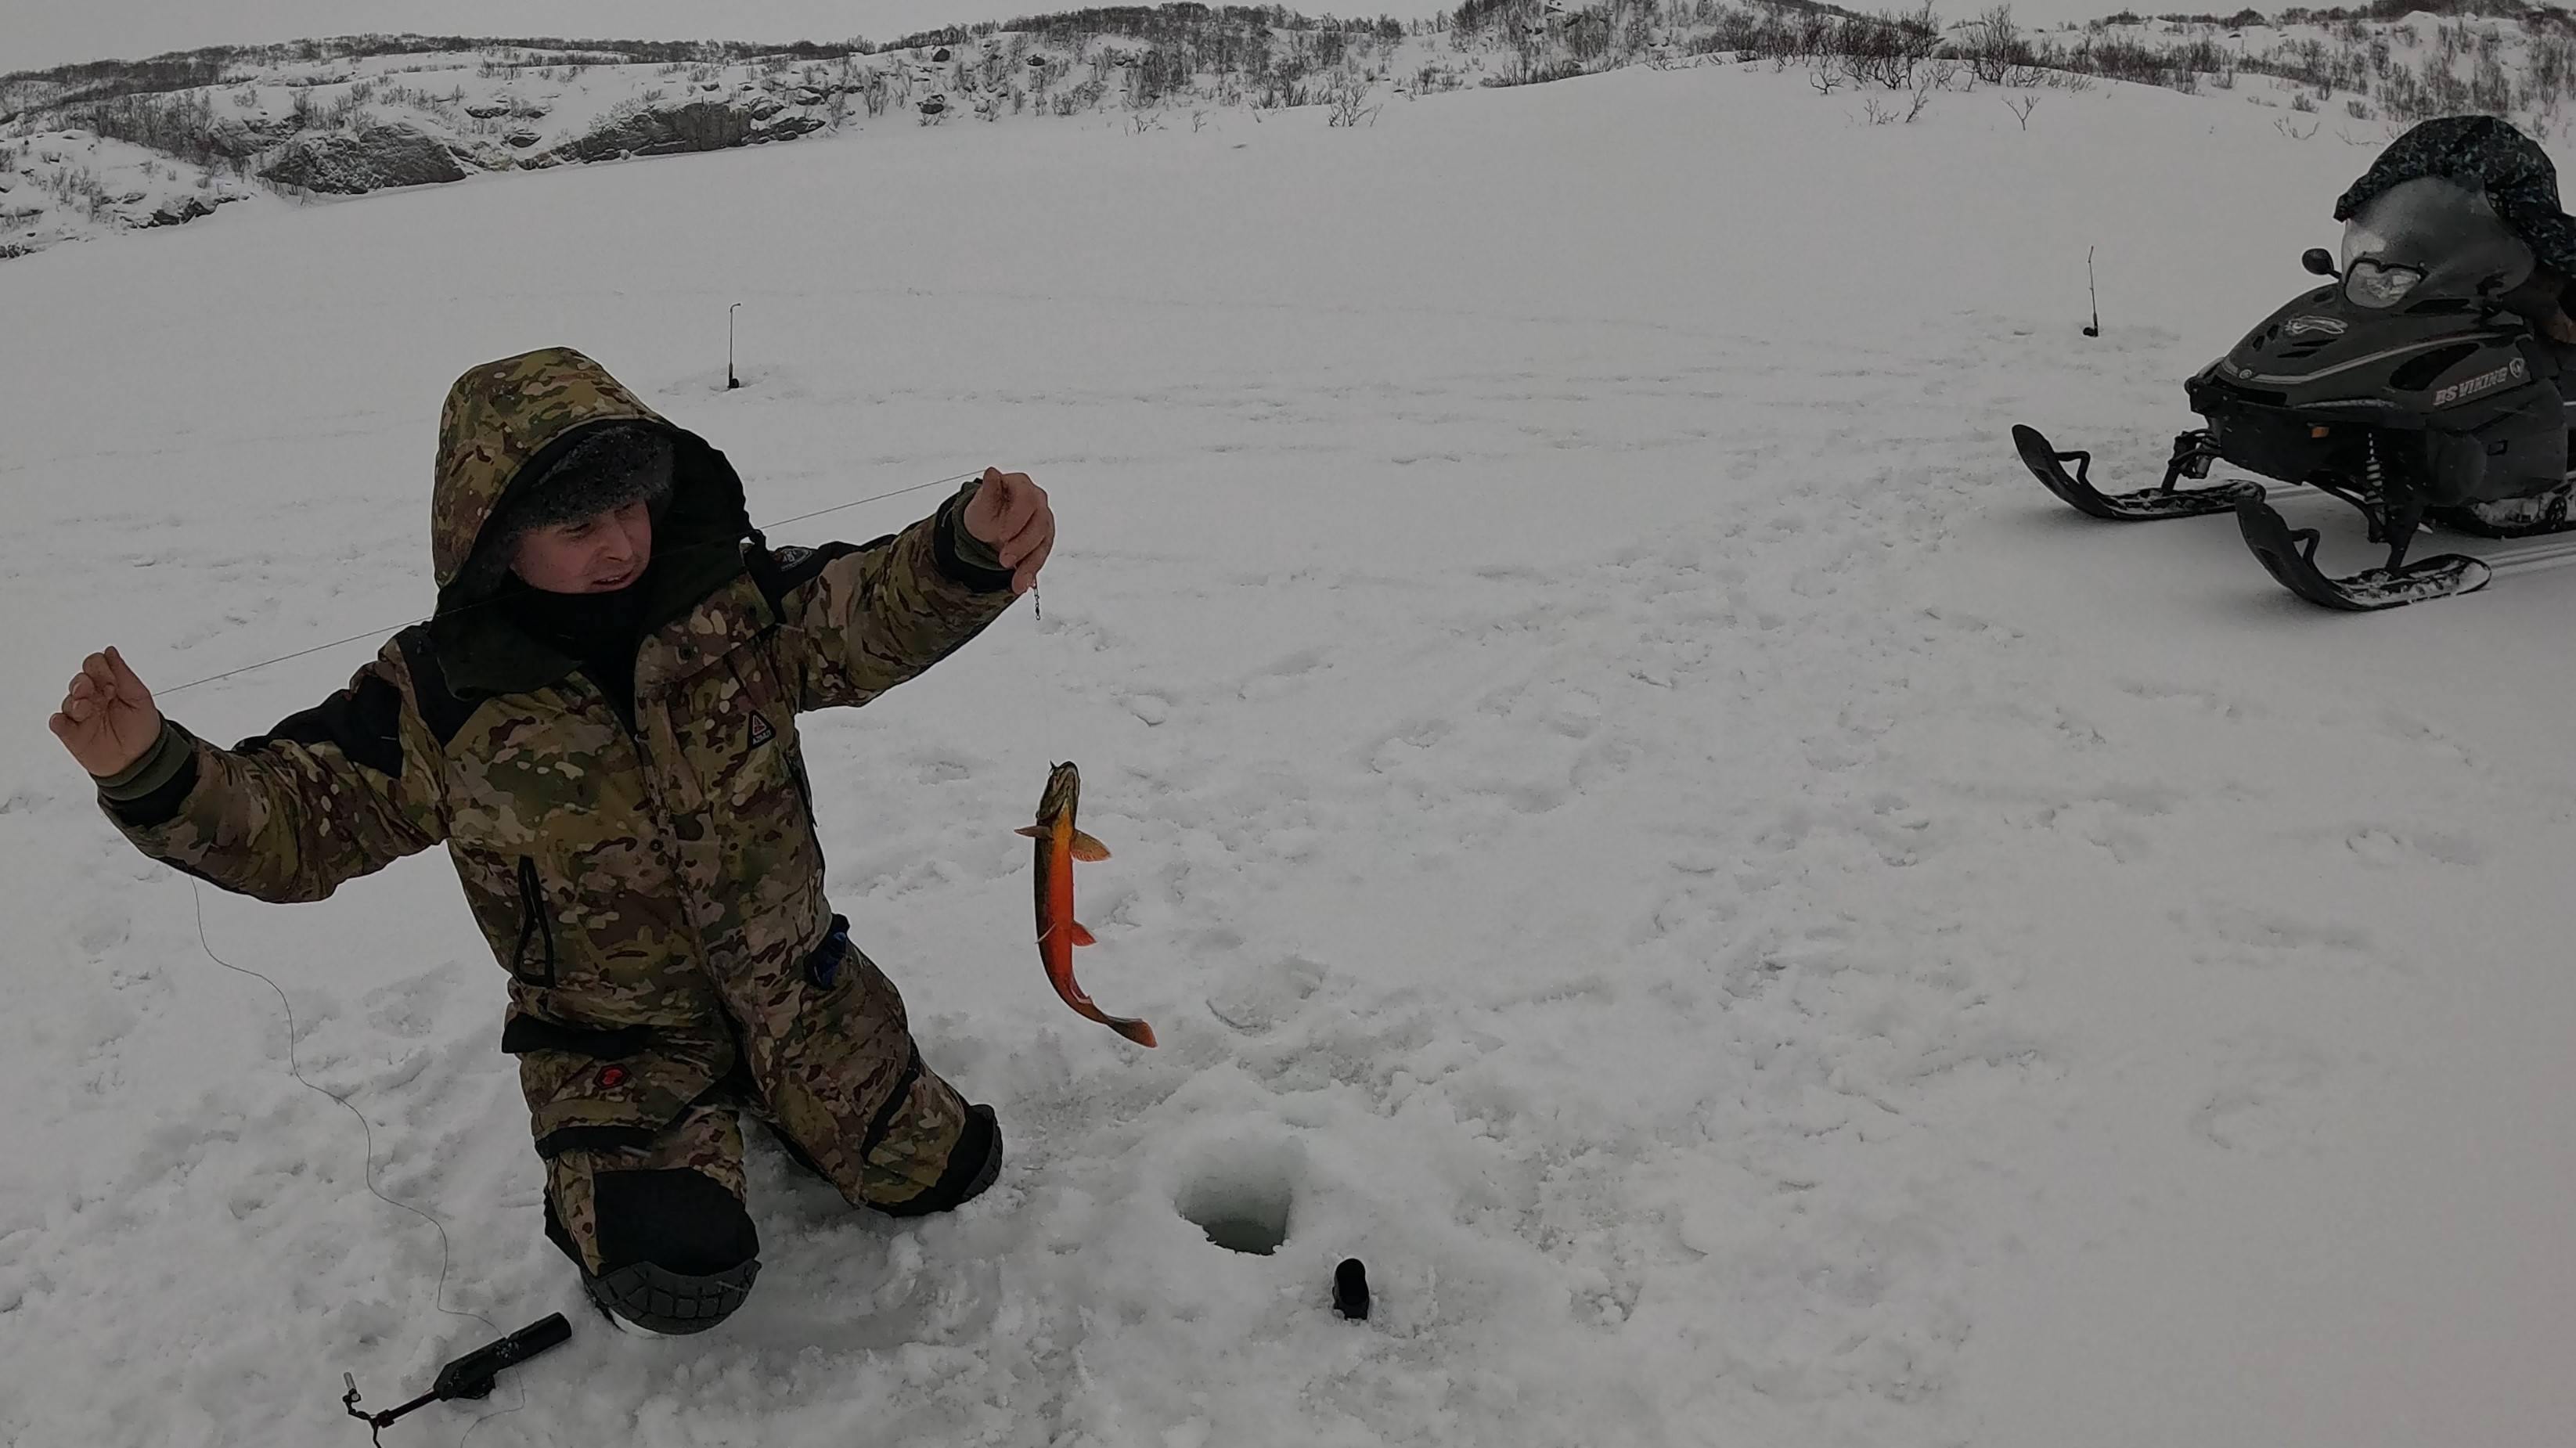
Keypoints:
pixel 375 633
pixel 295 1068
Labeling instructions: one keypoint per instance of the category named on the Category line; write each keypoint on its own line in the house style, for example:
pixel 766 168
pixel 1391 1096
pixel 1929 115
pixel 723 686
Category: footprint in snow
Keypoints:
pixel 2381 846
pixel 1256 997
pixel 2254 936
pixel 936 767
pixel 2272 1098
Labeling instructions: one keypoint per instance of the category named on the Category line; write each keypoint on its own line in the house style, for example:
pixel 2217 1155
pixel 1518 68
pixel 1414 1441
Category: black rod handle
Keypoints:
pixel 471 1375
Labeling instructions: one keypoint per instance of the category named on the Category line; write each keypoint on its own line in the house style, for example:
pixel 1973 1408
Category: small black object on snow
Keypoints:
pixel 470 1377
pixel 1350 1290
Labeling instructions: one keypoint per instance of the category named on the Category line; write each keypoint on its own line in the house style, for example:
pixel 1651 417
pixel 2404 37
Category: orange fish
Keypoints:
pixel 1059 845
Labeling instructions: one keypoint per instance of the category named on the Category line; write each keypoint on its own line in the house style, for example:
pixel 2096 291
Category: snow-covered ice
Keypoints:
pixel 1631 814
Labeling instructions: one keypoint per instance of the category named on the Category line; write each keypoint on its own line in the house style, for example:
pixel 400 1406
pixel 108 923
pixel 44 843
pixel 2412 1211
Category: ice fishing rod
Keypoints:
pixel 471 1376
pixel 407 623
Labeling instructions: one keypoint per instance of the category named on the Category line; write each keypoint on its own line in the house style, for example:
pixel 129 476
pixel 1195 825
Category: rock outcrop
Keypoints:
pixel 184 209
pixel 370 158
pixel 699 125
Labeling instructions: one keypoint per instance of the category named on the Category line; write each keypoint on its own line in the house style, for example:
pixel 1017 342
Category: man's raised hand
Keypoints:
pixel 107 719
pixel 1010 513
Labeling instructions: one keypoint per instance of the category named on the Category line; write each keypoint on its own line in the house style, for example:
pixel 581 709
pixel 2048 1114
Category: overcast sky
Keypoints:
pixel 36 33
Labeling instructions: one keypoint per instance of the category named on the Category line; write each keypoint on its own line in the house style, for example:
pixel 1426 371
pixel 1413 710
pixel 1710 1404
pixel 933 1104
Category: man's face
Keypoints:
pixel 597 554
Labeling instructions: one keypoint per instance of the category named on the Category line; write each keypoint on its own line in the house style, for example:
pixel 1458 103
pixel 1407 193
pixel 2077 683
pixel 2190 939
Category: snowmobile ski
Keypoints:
pixel 2192 455
pixel 2291 557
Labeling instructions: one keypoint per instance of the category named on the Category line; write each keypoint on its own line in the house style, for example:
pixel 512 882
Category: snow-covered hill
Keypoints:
pixel 1632 816
pixel 59 185
pixel 113 146
pixel 354 116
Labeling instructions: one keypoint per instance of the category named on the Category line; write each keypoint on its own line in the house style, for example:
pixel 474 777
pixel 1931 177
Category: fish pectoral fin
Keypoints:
pixel 1080 933
pixel 1087 848
pixel 1032 831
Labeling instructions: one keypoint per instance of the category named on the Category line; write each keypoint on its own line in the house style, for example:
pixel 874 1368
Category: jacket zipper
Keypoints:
pixel 534 926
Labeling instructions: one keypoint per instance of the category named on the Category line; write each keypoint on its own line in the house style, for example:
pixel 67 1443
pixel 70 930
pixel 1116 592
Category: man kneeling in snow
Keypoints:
pixel 600 725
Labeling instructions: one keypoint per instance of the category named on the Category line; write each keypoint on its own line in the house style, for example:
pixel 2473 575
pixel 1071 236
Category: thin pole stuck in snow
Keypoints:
pixel 2096 329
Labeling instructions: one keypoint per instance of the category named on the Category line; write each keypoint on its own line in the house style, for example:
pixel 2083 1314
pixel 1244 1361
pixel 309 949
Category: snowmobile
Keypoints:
pixel 2411 388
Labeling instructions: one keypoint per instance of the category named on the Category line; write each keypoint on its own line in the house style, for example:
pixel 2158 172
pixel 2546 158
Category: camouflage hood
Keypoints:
pixel 502 421
pixel 504 415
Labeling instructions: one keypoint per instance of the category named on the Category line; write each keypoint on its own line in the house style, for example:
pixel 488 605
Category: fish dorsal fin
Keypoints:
pixel 1032 831
pixel 1080 933
pixel 1087 848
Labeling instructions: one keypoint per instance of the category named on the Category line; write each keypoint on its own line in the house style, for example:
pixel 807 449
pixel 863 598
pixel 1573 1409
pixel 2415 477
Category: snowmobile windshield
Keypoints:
pixel 2431 238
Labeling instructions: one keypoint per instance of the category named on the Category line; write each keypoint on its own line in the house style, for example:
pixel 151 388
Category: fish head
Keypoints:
pixel 1063 794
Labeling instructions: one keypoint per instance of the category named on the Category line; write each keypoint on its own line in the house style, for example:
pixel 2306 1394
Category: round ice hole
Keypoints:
pixel 1257 1236
pixel 1242 1194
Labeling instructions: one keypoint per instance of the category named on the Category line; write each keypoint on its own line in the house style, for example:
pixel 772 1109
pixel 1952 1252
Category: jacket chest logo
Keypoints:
pixel 761 733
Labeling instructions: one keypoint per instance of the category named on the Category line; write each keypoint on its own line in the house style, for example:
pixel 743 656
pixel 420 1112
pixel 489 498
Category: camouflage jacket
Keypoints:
pixel 652 892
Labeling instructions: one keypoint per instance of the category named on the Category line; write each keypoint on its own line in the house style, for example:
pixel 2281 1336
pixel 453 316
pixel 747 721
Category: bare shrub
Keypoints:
pixel 1888 48
pixel 1347 104
pixel 1993 46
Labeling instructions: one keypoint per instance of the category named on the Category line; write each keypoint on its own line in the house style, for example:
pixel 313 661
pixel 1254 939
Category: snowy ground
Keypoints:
pixel 1630 815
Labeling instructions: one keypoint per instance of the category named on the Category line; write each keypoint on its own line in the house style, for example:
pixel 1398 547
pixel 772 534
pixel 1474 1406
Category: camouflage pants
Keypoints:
pixel 858 1108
